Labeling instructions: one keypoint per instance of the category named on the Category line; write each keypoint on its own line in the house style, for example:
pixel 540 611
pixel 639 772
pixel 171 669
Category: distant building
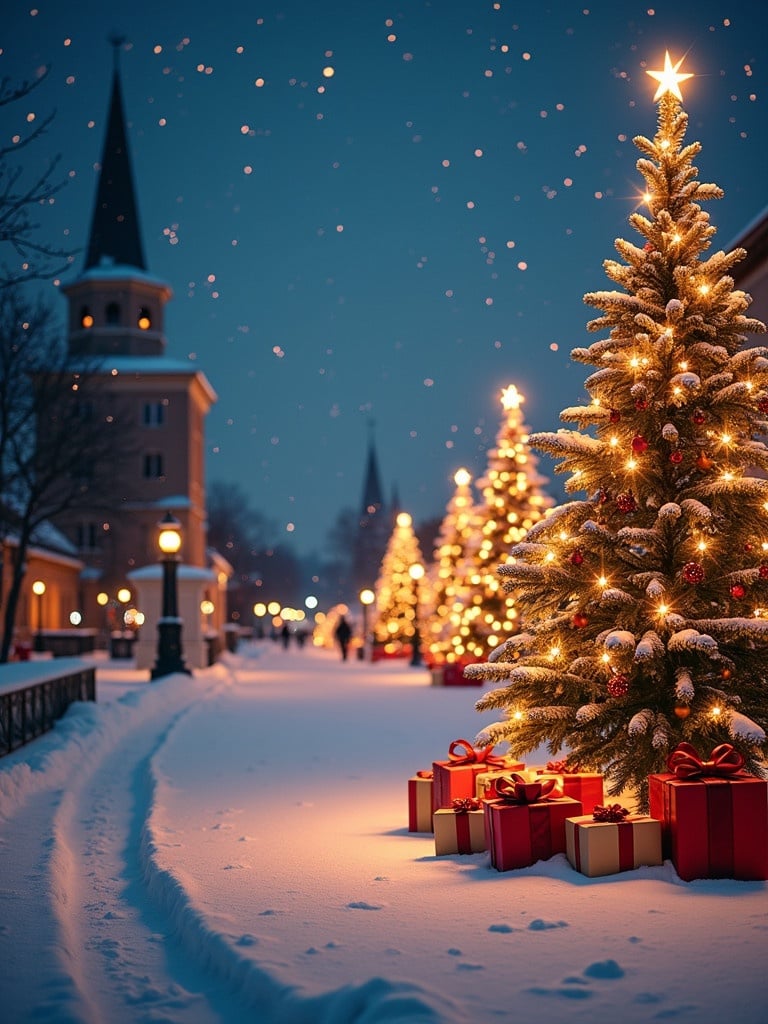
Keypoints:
pixel 115 324
pixel 751 275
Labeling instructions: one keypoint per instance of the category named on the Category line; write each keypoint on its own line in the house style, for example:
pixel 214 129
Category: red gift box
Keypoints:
pixel 460 829
pixel 586 787
pixel 420 802
pixel 713 825
pixel 521 831
pixel 454 779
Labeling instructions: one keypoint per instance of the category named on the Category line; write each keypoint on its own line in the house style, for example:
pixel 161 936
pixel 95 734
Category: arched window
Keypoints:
pixel 113 313
pixel 86 318
pixel 144 321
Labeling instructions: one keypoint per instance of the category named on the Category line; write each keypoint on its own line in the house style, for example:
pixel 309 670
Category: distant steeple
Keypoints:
pixel 372 495
pixel 115 232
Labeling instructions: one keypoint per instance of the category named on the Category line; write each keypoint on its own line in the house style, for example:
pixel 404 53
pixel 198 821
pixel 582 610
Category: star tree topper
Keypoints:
pixel 669 78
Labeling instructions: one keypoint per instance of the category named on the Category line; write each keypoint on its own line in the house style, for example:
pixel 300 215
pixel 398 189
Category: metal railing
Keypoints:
pixel 29 711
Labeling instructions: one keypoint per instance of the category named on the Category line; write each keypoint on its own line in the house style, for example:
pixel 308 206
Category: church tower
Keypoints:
pixel 116 334
pixel 374 524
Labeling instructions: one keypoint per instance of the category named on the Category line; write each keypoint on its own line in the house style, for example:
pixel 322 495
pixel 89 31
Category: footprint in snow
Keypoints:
pixel 604 969
pixel 504 928
pixel 540 925
pixel 363 905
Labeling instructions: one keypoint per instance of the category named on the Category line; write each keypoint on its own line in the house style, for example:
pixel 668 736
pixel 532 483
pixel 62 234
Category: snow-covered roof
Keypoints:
pixel 107 270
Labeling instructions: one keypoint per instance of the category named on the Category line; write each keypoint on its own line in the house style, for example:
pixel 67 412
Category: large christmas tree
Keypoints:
pixel 646 602
pixel 512 501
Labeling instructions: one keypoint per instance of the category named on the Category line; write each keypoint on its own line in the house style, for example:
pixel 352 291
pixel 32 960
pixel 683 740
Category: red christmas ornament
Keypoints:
pixel 618 685
pixel 639 444
pixel 698 417
pixel 738 590
pixel 676 456
pixel 682 711
pixel 762 572
pixel 625 502
pixel 579 620
pixel 704 462
pixel 748 546
pixel 603 497
pixel 726 673
pixel 577 557
pixel 762 405
pixel 648 247
pixel 614 415
pixel 693 573
pixel 641 404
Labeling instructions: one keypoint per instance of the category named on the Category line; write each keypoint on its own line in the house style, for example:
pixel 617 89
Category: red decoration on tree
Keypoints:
pixel 762 405
pixel 614 415
pixel 639 444
pixel 618 685
pixel 676 456
pixel 577 557
pixel 641 404
pixel 682 710
pixel 648 247
pixel 726 673
pixel 704 462
pixel 762 572
pixel 603 496
pixel 625 502
pixel 579 620
pixel 693 572
pixel 699 416
pixel 738 590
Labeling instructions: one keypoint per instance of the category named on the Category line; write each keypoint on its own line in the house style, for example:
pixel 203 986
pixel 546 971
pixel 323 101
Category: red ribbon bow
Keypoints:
pixel 611 812
pixel 516 789
pixel 425 774
pixel 462 805
pixel 559 767
pixel 472 755
pixel 685 762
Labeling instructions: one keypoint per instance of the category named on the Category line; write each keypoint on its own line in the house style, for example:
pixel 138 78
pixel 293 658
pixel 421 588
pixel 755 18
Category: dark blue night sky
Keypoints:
pixel 395 242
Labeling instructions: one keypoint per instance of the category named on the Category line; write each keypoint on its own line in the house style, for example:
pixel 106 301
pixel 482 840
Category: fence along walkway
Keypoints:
pixel 28 709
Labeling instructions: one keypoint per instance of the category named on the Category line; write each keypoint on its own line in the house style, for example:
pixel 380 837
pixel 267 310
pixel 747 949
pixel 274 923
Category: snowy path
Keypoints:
pixel 232 848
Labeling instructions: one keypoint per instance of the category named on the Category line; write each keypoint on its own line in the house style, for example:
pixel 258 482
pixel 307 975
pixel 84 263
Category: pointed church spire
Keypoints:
pixel 372 496
pixel 115 232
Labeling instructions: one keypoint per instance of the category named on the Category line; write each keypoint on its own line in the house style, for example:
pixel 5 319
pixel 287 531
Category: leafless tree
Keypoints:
pixel 26 255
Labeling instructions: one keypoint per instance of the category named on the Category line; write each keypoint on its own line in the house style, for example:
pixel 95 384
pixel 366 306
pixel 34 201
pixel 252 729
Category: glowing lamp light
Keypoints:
pixel 169 540
pixel 273 608
pixel 102 599
pixel 403 520
pixel 144 323
pixel 310 602
pixel 38 588
pixel 259 609
pixel 367 597
pixel 207 607
pixel 86 321
pixel 75 618
pixel 123 595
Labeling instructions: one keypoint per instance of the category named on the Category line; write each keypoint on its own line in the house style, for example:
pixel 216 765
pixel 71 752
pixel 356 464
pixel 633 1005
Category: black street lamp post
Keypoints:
pixel 367 597
pixel 169 650
pixel 38 589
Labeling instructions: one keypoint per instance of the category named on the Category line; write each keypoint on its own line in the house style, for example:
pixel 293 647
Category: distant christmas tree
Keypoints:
pixel 451 592
pixel 512 501
pixel 646 603
pixel 398 594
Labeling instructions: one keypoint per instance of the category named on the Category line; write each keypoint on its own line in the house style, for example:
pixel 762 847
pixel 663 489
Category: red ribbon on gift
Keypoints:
pixel 611 812
pixel 464 804
pixel 473 755
pixel 559 767
pixel 516 789
pixel 425 774
pixel 685 762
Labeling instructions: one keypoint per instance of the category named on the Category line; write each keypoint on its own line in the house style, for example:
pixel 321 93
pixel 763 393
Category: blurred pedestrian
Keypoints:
pixel 285 636
pixel 343 634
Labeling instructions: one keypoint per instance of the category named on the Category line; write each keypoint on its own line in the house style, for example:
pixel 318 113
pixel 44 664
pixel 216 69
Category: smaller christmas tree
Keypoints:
pixel 451 592
pixel 512 502
pixel 399 588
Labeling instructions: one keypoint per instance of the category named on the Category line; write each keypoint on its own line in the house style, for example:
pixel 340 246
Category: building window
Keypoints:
pixel 112 314
pixel 86 319
pixel 153 414
pixel 153 466
pixel 144 321
pixel 86 535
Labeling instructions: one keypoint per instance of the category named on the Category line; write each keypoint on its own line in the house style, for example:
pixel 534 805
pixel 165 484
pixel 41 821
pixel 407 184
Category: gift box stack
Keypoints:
pixel 714 816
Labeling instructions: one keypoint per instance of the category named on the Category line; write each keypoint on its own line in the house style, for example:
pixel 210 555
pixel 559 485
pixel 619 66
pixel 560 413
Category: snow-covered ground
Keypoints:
pixel 233 847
